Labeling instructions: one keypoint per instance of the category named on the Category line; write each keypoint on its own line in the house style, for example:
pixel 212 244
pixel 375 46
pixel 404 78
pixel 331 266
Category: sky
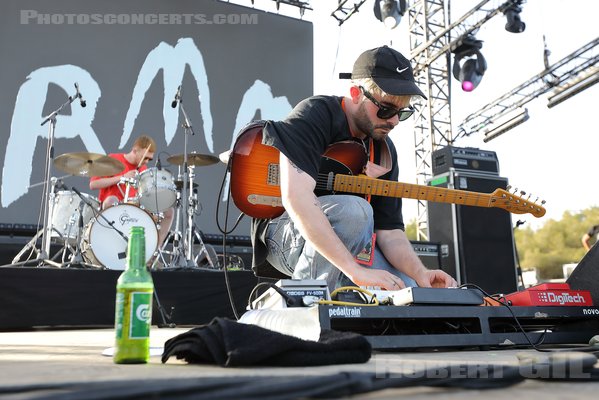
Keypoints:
pixel 551 155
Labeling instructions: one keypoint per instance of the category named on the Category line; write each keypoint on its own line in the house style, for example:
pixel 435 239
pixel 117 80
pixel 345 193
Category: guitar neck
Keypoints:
pixel 366 185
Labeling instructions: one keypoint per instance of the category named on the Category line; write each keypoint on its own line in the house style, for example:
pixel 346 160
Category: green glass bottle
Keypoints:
pixel 133 311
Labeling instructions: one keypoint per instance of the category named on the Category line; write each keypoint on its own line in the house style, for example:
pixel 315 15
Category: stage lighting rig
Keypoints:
pixel 389 12
pixel 472 70
pixel 511 121
pixel 512 13
pixel 574 87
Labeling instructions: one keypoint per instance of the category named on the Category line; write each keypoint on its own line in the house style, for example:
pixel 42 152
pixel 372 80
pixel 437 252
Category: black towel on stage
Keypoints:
pixel 233 344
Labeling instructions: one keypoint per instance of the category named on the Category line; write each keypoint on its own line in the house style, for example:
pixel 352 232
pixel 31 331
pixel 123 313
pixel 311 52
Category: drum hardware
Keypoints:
pixel 43 253
pixel 48 188
pixel 129 183
pixel 179 185
pixel 185 233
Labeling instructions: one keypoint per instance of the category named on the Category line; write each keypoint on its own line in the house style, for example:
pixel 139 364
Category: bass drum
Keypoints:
pixel 102 243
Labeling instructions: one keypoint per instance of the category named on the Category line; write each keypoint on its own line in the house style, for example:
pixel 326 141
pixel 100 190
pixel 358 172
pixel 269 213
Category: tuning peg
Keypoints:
pixel 515 190
pixel 508 187
pixel 522 193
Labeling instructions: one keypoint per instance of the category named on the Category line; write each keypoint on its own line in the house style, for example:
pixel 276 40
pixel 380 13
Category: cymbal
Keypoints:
pixel 88 164
pixel 196 159
pixel 179 185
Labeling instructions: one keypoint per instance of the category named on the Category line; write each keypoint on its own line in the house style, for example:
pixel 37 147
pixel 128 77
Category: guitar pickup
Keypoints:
pixel 272 201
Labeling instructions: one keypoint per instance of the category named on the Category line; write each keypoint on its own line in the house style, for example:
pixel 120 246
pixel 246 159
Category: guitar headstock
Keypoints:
pixel 516 204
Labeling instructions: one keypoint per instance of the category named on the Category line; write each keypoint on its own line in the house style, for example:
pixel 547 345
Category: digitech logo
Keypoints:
pixel 346 312
pixel 563 298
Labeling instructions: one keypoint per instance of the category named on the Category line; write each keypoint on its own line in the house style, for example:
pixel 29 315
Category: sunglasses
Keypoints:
pixel 385 112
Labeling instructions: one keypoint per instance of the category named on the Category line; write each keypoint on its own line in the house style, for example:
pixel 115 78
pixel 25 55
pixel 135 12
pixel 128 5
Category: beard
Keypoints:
pixel 365 125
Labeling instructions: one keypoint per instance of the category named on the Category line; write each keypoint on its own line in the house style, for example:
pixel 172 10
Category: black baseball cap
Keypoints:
pixel 388 68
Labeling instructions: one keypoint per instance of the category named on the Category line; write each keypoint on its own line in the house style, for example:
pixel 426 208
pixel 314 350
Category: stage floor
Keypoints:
pixel 38 358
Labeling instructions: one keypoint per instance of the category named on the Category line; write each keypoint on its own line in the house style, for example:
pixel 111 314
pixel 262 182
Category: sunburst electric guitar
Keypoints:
pixel 256 192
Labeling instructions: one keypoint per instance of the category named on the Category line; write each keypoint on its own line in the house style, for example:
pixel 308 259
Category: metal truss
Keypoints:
pixel 302 5
pixel 432 38
pixel 428 22
pixel 579 67
pixel 344 10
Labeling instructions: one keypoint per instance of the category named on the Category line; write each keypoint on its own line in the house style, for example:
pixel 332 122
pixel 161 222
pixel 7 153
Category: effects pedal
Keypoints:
pixel 293 293
pixel 429 296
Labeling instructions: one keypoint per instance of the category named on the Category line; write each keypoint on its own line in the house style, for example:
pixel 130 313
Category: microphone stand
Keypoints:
pixel 48 195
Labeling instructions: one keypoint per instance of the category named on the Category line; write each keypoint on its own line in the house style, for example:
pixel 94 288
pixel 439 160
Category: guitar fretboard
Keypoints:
pixel 366 185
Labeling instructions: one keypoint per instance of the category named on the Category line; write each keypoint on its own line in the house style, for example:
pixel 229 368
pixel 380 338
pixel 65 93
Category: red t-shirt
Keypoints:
pixel 118 190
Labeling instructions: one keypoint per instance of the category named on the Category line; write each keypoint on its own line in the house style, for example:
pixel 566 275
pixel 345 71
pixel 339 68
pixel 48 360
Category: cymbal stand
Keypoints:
pixel 185 260
pixel 44 252
pixel 192 232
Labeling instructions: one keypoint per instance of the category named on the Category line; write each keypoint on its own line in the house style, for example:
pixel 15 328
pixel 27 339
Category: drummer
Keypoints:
pixel 113 188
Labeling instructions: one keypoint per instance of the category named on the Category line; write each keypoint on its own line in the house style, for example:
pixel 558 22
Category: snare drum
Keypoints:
pixel 65 214
pixel 103 245
pixel 156 190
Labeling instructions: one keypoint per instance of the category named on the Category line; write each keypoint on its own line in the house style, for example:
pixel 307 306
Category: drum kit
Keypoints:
pixel 97 238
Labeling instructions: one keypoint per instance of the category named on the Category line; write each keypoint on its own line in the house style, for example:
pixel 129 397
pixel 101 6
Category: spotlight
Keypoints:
pixel 512 13
pixel 389 12
pixel 473 69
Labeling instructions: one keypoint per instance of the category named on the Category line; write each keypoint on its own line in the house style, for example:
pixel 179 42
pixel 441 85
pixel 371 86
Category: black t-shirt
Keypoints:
pixel 313 125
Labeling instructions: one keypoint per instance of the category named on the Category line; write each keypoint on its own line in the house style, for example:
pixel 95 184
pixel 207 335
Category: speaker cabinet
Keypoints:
pixel 584 276
pixel 480 240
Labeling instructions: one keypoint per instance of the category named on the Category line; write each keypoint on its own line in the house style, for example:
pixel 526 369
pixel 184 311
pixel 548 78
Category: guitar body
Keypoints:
pixel 250 165
pixel 255 185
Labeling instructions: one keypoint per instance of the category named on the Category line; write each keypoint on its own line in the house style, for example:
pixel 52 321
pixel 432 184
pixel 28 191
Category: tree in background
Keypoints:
pixel 555 243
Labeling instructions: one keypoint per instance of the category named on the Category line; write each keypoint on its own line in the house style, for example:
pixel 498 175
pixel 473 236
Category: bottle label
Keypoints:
pixel 133 314
pixel 141 314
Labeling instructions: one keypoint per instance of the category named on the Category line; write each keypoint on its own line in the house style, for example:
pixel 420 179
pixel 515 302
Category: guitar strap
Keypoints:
pixel 366 256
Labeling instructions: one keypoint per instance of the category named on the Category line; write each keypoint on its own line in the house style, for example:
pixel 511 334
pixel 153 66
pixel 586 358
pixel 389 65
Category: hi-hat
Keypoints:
pixel 193 159
pixel 88 164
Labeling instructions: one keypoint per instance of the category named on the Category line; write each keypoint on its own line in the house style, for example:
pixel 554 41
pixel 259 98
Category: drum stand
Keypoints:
pixel 48 195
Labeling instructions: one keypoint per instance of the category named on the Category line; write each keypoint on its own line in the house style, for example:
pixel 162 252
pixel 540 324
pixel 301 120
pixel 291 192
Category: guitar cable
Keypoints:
pixel 590 348
pixel 225 232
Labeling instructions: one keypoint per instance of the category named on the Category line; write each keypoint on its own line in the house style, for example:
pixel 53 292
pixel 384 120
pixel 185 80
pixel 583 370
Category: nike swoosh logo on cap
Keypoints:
pixel 399 71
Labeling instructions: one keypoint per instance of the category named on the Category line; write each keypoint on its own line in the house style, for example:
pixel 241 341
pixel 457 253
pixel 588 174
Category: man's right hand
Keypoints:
pixel 376 277
pixel 130 174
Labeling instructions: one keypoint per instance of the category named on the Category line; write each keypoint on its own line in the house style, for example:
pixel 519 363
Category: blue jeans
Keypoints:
pixel 352 220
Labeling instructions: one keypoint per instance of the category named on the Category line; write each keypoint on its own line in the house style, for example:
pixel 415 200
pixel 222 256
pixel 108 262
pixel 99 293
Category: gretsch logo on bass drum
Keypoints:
pixel 127 219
